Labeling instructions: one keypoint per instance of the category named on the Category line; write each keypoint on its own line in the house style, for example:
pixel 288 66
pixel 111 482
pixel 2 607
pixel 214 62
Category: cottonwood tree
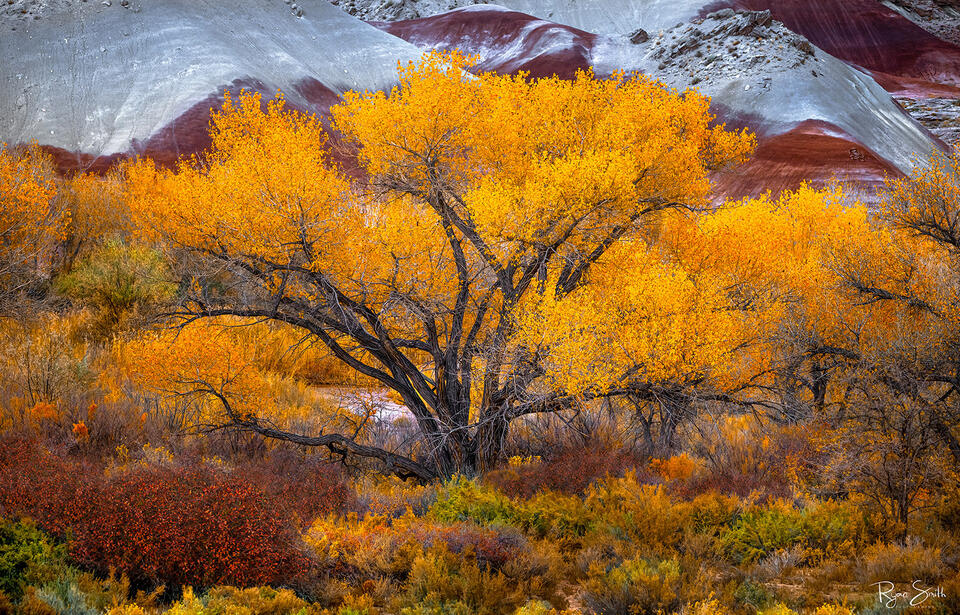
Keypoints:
pixel 497 257
pixel 858 319
pixel 900 411
pixel 32 222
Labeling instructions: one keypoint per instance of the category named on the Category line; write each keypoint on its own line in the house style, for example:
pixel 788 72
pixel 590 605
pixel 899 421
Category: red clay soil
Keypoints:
pixel 510 41
pixel 865 33
pixel 912 87
pixel 810 152
pixel 814 151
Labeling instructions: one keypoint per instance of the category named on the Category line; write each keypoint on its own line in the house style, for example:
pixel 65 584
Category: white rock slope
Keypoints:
pixel 95 76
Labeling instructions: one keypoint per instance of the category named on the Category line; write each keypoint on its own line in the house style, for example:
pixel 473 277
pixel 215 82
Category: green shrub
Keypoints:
pixel 118 280
pixel 65 597
pixel 558 516
pixel 27 557
pixel 753 595
pixel 547 514
pixel 462 499
pixel 832 530
pixel 712 513
pixel 756 534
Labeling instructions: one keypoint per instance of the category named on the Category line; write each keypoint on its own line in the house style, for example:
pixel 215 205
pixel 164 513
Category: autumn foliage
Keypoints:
pixel 461 273
pixel 174 524
pixel 520 360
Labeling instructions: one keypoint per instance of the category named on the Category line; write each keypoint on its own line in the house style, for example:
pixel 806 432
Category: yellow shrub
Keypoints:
pixel 358 605
pixel 707 607
pixel 636 587
pixel 189 604
pixel 541 607
pixel 226 600
pixel 901 563
pixel 439 581
pixel 643 514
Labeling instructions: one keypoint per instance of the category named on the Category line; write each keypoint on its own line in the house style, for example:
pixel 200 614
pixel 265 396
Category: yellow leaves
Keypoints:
pixel 265 187
pixel 534 159
pixel 96 204
pixel 255 366
pixel 26 190
pixel 520 460
pixel 31 219
pixel 641 316
pixel 199 359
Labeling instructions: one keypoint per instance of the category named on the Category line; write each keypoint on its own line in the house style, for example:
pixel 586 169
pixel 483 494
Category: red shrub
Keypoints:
pixel 186 525
pixel 175 525
pixel 306 488
pixel 569 470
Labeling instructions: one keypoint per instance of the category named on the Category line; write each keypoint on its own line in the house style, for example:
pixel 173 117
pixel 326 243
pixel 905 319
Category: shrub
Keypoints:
pixel 391 496
pixel 548 514
pixel 226 600
pixel 707 607
pixel 185 525
pixel 752 595
pixel 536 607
pixel 462 499
pixel 711 513
pixel 759 533
pixel 644 515
pixel 32 604
pixel 253 601
pixel 65 597
pixel 378 545
pixel 118 280
pixel 6 605
pixel 901 563
pixel 569 470
pixel 833 609
pixel 833 530
pixel 174 524
pixel 27 557
pixel 635 587
pixel 304 487
pixel 441 582
pixel 741 456
pixel 358 605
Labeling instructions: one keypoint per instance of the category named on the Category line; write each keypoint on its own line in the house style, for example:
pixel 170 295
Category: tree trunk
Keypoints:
pixel 490 439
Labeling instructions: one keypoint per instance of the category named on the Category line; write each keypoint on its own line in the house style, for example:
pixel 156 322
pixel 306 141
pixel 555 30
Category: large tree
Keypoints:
pixel 494 255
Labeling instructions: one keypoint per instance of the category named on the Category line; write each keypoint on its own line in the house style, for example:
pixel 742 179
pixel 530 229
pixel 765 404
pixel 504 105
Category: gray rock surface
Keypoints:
pixel 941 116
pixel 87 77
pixel 758 69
